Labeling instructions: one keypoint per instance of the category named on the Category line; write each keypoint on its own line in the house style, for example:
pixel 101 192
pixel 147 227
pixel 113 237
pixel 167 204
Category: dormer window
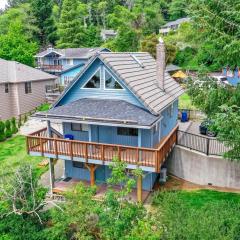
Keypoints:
pixel 94 82
pixel 110 81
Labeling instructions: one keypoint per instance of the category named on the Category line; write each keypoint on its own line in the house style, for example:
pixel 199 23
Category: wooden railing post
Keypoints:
pixel 86 152
pixel 56 148
pixel 137 157
pixel 71 149
pixel 102 153
pixel 41 146
pixel 119 153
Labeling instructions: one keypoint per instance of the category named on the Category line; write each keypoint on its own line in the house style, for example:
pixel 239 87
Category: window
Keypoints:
pixel 110 81
pixel 6 88
pixel 28 87
pixel 79 127
pixel 155 128
pixel 78 164
pixel 69 61
pixel 127 131
pixel 94 82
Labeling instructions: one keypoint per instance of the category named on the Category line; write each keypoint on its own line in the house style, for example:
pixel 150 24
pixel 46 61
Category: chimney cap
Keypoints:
pixel 161 40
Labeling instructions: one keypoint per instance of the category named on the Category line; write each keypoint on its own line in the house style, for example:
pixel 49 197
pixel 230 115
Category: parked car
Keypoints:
pixel 204 128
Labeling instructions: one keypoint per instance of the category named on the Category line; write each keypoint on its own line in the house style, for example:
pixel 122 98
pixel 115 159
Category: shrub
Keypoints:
pixel 14 127
pixel 19 122
pixel 8 131
pixel 2 133
pixel 25 118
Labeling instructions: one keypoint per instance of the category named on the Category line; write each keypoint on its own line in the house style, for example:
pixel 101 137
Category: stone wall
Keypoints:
pixel 201 169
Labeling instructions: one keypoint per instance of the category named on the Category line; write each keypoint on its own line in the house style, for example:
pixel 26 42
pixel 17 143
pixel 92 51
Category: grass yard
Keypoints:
pixel 13 153
pixel 185 102
pixel 202 214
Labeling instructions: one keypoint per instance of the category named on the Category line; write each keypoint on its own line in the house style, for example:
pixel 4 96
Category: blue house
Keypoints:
pixel 233 77
pixel 65 63
pixel 122 105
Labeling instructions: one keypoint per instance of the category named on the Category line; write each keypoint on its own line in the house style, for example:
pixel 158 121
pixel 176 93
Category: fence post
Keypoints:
pixel 208 141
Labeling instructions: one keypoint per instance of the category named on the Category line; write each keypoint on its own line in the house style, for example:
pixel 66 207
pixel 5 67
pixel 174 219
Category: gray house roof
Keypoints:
pixel 109 110
pixel 14 72
pixel 76 53
pixel 138 71
pixel 177 22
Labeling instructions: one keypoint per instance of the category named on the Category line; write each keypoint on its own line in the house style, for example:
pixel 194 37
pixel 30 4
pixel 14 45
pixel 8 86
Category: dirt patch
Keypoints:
pixel 174 183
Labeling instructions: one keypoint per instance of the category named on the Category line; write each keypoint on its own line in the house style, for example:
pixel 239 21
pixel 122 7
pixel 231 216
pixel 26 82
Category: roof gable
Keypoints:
pixel 13 72
pixel 77 90
pixel 138 73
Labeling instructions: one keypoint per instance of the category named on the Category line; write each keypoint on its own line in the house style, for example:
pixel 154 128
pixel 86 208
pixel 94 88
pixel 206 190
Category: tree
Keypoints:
pixel 2 131
pixel 42 10
pixel 69 25
pixel 8 131
pixel 178 9
pixel 14 126
pixel 227 125
pixel 15 46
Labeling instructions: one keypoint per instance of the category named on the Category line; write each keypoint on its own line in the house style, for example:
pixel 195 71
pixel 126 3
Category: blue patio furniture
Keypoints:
pixel 69 136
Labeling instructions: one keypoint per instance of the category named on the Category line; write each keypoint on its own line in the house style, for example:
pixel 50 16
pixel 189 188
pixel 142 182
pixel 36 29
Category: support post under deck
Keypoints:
pixel 52 174
pixel 139 189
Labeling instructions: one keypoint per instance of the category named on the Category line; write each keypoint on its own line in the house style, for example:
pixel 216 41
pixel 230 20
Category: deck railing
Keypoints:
pixel 149 157
pixel 51 67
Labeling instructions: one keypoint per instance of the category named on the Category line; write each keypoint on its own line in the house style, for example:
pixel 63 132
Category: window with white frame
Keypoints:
pixel 79 127
pixel 94 82
pixel 110 81
pixel 28 87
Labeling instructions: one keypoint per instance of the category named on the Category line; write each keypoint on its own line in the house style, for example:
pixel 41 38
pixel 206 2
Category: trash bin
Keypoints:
pixel 69 136
pixel 184 117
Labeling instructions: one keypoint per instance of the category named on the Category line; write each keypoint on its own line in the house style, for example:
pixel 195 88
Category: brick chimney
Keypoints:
pixel 160 63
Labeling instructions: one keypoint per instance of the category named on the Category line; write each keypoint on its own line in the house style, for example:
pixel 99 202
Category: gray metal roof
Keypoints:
pixel 177 22
pixel 172 67
pixel 103 110
pixel 81 53
pixel 108 32
pixel 13 72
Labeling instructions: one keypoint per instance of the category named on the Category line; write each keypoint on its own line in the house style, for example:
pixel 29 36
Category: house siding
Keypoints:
pixel 169 121
pixel 77 92
pixel 27 102
pixel 16 102
pixel 102 174
pixel 70 74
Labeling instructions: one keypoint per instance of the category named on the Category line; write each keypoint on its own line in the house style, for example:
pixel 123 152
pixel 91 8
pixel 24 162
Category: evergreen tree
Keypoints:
pixel 178 9
pixel 69 25
pixel 42 10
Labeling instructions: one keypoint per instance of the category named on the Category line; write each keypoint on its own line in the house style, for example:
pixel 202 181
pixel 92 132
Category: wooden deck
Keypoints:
pixel 146 157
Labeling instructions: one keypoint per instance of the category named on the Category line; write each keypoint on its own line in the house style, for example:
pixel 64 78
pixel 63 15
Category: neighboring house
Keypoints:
pixel 173 25
pixel 22 88
pixel 121 104
pixel 171 68
pixel 108 34
pixel 233 76
pixel 65 63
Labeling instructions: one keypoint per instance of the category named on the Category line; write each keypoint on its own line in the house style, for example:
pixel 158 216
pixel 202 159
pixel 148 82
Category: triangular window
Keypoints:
pixel 111 82
pixel 94 82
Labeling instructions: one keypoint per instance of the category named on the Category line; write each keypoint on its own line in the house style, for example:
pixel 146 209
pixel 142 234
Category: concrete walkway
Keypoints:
pixel 58 167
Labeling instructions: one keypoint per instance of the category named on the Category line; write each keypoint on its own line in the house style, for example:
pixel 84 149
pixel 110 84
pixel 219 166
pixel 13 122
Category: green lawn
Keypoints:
pixel 13 153
pixel 200 215
pixel 185 102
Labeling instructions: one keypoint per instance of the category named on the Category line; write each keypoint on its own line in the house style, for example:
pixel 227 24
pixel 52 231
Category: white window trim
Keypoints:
pixel 111 89
pixel 98 69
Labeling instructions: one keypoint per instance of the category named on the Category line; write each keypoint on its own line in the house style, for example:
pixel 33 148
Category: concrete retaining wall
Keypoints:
pixel 201 169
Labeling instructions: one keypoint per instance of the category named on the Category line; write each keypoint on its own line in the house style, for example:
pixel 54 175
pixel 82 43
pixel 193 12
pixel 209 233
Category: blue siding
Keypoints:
pixel 169 122
pixel 78 135
pixel 102 173
pixel 70 74
pixel 76 92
